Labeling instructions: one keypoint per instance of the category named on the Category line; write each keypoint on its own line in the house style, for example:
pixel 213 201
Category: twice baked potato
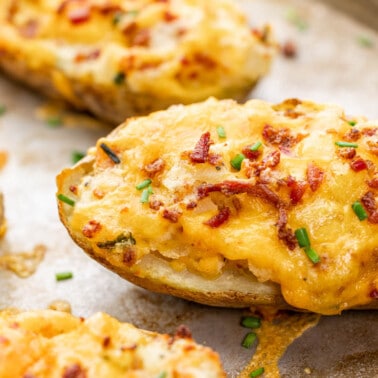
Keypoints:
pixel 50 343
pixel 117 58
pixel 234 205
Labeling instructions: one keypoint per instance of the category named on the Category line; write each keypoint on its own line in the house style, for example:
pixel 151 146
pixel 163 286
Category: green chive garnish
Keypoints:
pixel 248 340
pixel 293 17
pixel 352 123
pixel 117 18
pixel 346 144
pixel 365 41
pixel 63 198
pixel 236 161
pixel 302 237
pixel 76 156
pixel 312 255
pixel 251 322
pixel 143 184
pixel 257 372
pixel 256 146
pixel 3 109
pixel 162 375
pixel 221 132
pixel 119 78
pixel 133 13
pixel 110 153
pixel 146 194
pixel 54 121
pixel 63 276
pixel 359 210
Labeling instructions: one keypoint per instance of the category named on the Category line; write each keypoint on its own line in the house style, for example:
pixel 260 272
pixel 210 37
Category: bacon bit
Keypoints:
pixel 346 153
pixel 249 154
pixel 285 233
pixel 315 176
pixel 220 218
pixel 30 29
pixel 191 205
pixel 91 228
pixel 109 8
pixel 289 49
pixel 290 113
pixel 214 159
pixel 183 332
pixel 79 15
pixel 93 55
pixel 272 159
pixel 125 348
pixel 237 204
pixel 155 204
pixel 374 293
pixel 201 150
pixel 368 200
pixel 155 167
pixel 73 189
pixel 373 183
pixel 74 371
pixel 171 215
pixel 106 341
pixel 373 147
pixel 181 31
pixel 169 17
pixel 205 61
pixel 369 132
pixel 129 256
pixel 352 135
pixel 142 38
pixel 297 189
pixel 130 28
pixel 358 164
pixel 281 137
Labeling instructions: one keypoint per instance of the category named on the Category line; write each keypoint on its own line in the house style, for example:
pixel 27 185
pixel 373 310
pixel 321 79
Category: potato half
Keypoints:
pixel 234 205
pixel 119 58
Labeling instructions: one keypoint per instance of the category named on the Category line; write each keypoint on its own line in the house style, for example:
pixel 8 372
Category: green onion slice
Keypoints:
pixel 119 78
pixel 352 123
pixel 146 194
pixel 221 132
pixel 143 184
pixel 76 156
pixel 110 153
pixel 302 237
pixel 163 374
pixel 65 199
pixel 256 146
pixel 3 109
pixel 63 276
pixel 312 255
pixel 365 41
pixel 346 144
pixel 249 340
pixel 236 161
pixel 54 121
pixel 251 322
pixel 257 372
pixel 359 210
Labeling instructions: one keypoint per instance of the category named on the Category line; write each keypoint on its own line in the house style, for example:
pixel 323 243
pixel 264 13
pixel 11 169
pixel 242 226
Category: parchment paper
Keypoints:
pixel 331 66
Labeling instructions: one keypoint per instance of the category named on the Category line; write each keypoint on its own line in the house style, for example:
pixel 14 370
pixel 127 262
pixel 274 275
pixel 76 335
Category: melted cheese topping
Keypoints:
pixel 174 223
pixel 51 344
pixel 188 49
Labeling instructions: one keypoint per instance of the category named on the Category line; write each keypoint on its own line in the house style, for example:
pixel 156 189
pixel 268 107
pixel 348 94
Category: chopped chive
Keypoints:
pixel 143 184
pixel 221 132
pixel 132 13
pixel 63 198
pixel 359 210
pixel 365 41
pixel 119 78
pixel 3 109
pixel 312 255
pixel 76 156
pixel 146 194
pixel 110 153
pixel 249 340
pixel 54 121
pixel 346 144
pixel 257 372
pixel 302 237
pixel 162 375
pixel 236 161
pixel 251 322
pixel 293 17
pixel 117 18
pixel 63 276
pixel 255 146
pixel 352 123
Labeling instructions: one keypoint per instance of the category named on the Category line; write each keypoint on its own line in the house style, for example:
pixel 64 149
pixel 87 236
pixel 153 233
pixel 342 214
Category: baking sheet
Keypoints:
pixel 332 65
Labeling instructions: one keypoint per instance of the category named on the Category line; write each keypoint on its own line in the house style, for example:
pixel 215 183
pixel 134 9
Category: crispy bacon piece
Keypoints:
pixel 91 228
pixel 346 153
pixel 201 150
pixel 169 17
pixel 358 164
pixel 281 137
pixel 79 15
pixel 352 135
pixel 142 38
pixel 373 147
pixel 373 183
pixel 285 233
pixel 155 204
pixel 315 176
pixel 374 293
pixel 205 61
pixel 369 131
pixel 84 57
pixel 106 341
pixel 297 189
pixel 171 215
pixel 370 205
pixel 251 155
pixel 74 371
pixel 183 332
pixel 289 49
pixel 220 218
pixel 272 159
pixel 155 167
pixel 129 256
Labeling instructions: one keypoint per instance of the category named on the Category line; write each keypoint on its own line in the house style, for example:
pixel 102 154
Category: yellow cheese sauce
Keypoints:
pixel 201 230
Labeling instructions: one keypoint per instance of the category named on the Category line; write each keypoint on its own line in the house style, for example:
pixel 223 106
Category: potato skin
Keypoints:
pixel 179 242
pixel 100 64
